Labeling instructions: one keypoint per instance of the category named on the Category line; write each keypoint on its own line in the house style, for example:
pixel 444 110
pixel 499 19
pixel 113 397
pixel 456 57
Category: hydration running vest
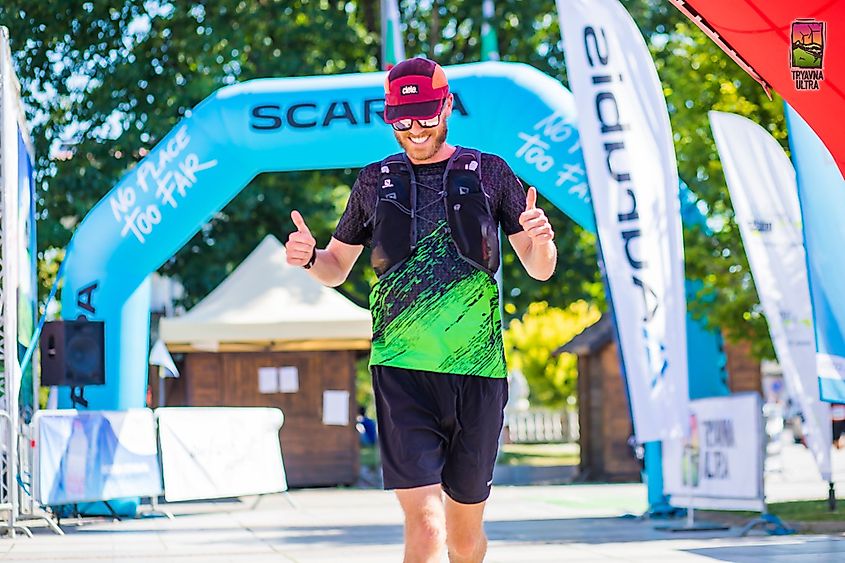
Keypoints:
pixel 471 224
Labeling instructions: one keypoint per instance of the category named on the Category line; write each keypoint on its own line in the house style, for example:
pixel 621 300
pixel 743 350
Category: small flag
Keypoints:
pixel 392 46
pixel 159 356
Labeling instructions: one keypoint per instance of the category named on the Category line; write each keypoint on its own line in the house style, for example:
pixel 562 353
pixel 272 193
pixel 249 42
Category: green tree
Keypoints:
pixel 105 80
pixel 531 340
pixel 698 77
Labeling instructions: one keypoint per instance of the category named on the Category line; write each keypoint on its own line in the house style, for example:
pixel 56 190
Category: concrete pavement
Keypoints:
pixel 524 523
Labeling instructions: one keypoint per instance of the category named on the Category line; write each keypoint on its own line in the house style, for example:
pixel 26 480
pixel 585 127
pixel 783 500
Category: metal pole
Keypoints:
pixel 161 399
pixel 831 496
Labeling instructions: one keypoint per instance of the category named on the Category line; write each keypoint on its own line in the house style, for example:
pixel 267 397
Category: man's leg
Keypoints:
pixel 464 532
pixel 425 526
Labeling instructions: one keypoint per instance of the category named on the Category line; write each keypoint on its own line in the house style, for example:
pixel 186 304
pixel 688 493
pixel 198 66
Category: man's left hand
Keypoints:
pixel 534 220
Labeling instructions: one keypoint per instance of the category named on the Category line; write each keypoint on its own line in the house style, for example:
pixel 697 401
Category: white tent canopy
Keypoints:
pixel 265 304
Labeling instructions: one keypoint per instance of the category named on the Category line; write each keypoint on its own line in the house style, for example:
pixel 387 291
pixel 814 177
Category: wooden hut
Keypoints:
pixel 270 335
pixel 603 410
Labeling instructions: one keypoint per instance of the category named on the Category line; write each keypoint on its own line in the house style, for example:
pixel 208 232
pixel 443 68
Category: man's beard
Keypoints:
pixel 422 153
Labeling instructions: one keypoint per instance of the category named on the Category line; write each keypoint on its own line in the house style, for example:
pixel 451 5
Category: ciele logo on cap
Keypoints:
pixel 410 89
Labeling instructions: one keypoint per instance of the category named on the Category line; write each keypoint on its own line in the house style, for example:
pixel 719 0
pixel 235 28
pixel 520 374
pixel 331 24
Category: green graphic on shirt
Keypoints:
pixel 428 319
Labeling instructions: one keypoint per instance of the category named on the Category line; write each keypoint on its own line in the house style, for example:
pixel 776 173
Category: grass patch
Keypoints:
pixel 807 511
pixel 799 511
pixel 539 454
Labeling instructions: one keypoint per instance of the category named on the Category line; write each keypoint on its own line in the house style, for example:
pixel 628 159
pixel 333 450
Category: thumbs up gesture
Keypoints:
pixel 534 220
pixel 300 245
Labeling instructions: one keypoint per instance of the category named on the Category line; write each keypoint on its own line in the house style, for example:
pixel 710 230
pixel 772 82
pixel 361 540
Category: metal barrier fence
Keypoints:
pixel 542 425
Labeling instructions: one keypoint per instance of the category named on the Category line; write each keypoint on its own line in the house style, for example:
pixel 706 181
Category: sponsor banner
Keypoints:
pixel 821 190
pixel 761 181
pixel 27 287
pixel 18 243
pixel 219 452
pixel 87 456
pixel 720 463
pixel 9 184
pixel 631 169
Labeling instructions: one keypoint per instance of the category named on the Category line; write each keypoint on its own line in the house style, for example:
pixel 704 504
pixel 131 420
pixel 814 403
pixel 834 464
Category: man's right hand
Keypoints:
pixel 300 244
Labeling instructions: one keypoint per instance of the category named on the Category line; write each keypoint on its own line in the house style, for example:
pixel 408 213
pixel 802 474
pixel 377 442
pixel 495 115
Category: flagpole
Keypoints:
pixel 489 39
pixel 392 46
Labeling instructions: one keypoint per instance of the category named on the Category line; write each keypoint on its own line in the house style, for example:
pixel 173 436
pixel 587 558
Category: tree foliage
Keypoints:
pixel 698 77
pixel 104 84
pixel 531 340
pixel 104 80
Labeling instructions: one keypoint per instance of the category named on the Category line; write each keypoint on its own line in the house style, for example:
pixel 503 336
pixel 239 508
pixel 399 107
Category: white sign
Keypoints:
pixel 278 380
pixel 720 464
pixel 268 380
pixel 219 452
pixel 629 154
pixel 288 379
pixel 336 408
pixel 764 195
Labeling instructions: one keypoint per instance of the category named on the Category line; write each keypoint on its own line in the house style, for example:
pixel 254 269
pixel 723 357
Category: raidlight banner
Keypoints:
pixel 220 452
pixel 627 144
pixel 720 464
pixel 821 190
pixel 761 181
pixel 87 456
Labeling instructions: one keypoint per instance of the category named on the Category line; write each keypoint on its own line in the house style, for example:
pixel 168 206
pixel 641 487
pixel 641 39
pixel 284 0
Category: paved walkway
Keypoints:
pixel 525 524
pixel 572 523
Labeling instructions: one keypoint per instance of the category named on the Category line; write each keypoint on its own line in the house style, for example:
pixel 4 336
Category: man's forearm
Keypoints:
pixel 541 260
pixel 327 269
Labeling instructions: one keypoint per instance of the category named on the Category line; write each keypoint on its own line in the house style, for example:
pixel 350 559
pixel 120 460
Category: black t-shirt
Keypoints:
pixel 436 312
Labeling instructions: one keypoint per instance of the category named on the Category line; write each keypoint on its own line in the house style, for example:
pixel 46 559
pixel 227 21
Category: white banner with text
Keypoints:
pixel 219 452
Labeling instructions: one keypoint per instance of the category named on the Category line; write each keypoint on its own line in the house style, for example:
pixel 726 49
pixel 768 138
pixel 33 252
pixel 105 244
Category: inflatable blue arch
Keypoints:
pixel 286 124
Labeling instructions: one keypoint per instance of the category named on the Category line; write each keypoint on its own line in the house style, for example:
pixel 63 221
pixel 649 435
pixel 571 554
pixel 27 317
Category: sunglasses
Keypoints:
pixel 406 124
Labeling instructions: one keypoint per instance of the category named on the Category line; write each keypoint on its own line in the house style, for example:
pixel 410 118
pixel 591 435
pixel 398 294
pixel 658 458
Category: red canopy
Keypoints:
pixel 796 46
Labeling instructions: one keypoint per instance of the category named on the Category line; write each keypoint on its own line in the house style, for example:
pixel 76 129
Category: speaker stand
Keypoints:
pixel 78 398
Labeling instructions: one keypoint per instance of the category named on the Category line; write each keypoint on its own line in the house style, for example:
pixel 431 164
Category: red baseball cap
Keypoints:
pixel 414 88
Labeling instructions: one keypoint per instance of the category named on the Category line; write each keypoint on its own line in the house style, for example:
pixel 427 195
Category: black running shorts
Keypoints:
pixel 439 428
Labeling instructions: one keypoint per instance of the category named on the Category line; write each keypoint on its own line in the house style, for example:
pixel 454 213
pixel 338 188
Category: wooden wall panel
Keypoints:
pixel 315 454
pixel 743 369
pixel 206 382
pixel 604 418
